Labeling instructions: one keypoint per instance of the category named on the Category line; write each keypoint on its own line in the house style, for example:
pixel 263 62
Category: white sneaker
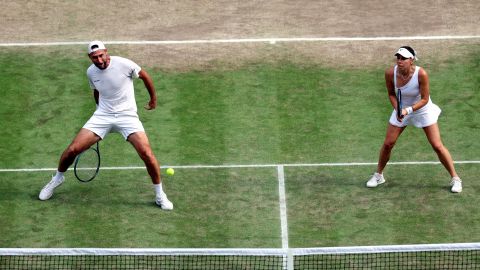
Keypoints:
pixel 164 202
pixel 456 185
pixel 377 179
pixel 47 190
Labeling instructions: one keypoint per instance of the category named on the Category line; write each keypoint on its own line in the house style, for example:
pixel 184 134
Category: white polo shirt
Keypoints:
pixel 115 85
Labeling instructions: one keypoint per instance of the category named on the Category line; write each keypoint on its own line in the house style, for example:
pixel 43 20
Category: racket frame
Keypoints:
pixel 77 159
pixel 399 103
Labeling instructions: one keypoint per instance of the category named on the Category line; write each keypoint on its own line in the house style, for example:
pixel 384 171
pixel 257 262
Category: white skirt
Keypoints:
pixel 426 116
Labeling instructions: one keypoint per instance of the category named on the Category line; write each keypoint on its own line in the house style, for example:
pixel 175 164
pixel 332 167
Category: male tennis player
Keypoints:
pixel 418 110
pixel 111 79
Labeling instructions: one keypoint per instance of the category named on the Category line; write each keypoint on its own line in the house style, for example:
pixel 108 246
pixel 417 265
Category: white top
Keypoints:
pixel 115 85
pixel 411 90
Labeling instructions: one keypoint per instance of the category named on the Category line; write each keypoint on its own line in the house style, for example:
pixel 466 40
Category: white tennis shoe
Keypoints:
pixel 377 179
pixel 47 190
pixel 456 184
pixel 164 202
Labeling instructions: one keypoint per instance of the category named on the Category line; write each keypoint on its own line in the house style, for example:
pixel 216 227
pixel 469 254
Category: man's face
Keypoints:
pixel 100 58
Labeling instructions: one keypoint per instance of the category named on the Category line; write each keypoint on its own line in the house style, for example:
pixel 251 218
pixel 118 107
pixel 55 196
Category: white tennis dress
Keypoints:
pixel 117 109
pixel 423 117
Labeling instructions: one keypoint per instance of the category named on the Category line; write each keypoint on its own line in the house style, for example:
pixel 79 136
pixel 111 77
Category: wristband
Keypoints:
pixel 409 110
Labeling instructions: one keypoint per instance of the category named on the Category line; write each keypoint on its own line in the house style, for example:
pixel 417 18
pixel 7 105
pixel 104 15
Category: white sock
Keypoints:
pixel 158 190
pixel 58 175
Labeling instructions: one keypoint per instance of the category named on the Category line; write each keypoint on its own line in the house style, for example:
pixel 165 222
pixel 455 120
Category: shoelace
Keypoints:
pixel 51 183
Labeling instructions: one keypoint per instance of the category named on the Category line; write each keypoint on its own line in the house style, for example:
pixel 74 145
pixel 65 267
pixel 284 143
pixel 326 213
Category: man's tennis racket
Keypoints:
pixel 87 164
pixel 399 104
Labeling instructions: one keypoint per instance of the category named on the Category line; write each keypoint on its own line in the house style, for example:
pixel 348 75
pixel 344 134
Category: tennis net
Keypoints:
pixel 435 256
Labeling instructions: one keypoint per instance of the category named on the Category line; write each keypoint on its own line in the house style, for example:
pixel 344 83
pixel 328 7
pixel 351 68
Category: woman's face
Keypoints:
pixel 403 62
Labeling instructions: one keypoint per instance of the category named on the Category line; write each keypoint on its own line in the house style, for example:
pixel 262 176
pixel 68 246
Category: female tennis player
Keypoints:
pixel 111 79
pixel 417 109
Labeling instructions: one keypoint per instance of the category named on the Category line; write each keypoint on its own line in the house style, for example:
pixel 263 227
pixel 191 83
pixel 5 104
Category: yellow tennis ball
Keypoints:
pixel 170 171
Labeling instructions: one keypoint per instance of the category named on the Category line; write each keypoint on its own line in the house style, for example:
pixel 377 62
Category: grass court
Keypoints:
pixel 260 113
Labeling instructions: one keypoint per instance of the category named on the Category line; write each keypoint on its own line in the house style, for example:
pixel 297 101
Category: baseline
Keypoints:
pixel 240 40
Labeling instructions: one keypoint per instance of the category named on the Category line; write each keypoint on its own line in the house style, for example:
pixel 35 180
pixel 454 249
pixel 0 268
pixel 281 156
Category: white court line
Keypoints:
pixel 283 206
pixel 239 40
pixel 342 164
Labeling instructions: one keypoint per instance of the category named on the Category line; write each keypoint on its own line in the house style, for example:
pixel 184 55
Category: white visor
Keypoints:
pixel 405 53
pixel 95 46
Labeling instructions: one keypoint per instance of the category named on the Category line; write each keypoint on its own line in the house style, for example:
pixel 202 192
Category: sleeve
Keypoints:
pixel 92 86
pixel 136 71
pixel 133 68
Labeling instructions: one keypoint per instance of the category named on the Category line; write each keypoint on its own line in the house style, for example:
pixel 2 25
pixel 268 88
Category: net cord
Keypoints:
pixel 240 251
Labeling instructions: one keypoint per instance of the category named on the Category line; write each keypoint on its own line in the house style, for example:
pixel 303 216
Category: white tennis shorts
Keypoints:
pixel 426 116
pixel 123 123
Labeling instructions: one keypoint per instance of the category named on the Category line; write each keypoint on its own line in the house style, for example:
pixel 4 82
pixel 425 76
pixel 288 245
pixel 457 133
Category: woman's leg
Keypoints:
pixel 393 132
pixel 433 135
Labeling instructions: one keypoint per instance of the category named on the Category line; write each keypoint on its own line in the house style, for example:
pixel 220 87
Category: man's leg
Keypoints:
pixel 84 139
pixel 140 142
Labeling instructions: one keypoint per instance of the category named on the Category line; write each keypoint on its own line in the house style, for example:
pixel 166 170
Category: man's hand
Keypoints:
pixel 152 104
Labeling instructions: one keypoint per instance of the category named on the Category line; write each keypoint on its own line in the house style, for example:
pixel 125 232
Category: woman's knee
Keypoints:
pixel 438 147
pixel 388 145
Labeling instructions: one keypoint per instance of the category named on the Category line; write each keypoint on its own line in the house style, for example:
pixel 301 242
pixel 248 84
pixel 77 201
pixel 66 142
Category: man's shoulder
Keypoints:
pixel 91 69
pixel 120 59
pixel 124 63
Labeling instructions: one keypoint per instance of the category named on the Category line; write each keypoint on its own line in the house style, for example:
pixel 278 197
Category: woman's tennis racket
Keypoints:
pixel 87 164
pixel 399 104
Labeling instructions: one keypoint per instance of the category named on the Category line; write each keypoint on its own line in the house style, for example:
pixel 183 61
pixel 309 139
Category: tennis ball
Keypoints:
pixel 170 171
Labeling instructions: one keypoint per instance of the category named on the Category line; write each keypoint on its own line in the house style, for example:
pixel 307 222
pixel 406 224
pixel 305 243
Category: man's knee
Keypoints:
pixel 73 150
pixel 146 153
pixel 84 139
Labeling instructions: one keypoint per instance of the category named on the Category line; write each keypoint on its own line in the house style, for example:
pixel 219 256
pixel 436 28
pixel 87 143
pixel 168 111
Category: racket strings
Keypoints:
pixel 87 164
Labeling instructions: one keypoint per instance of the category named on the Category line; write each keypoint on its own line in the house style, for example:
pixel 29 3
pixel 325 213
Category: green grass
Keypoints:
pixel 261 113
pixel 331 207
pixel 213 208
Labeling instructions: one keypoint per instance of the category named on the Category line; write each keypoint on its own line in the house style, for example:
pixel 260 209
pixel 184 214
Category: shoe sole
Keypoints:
pixel 48 197
pixel 166 209
pixel 456 191
pixel 63 180
pixel 378 183
pixel 44 199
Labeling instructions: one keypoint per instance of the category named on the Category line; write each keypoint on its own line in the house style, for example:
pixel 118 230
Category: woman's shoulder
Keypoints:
pixel 421 71
pixel 389 71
